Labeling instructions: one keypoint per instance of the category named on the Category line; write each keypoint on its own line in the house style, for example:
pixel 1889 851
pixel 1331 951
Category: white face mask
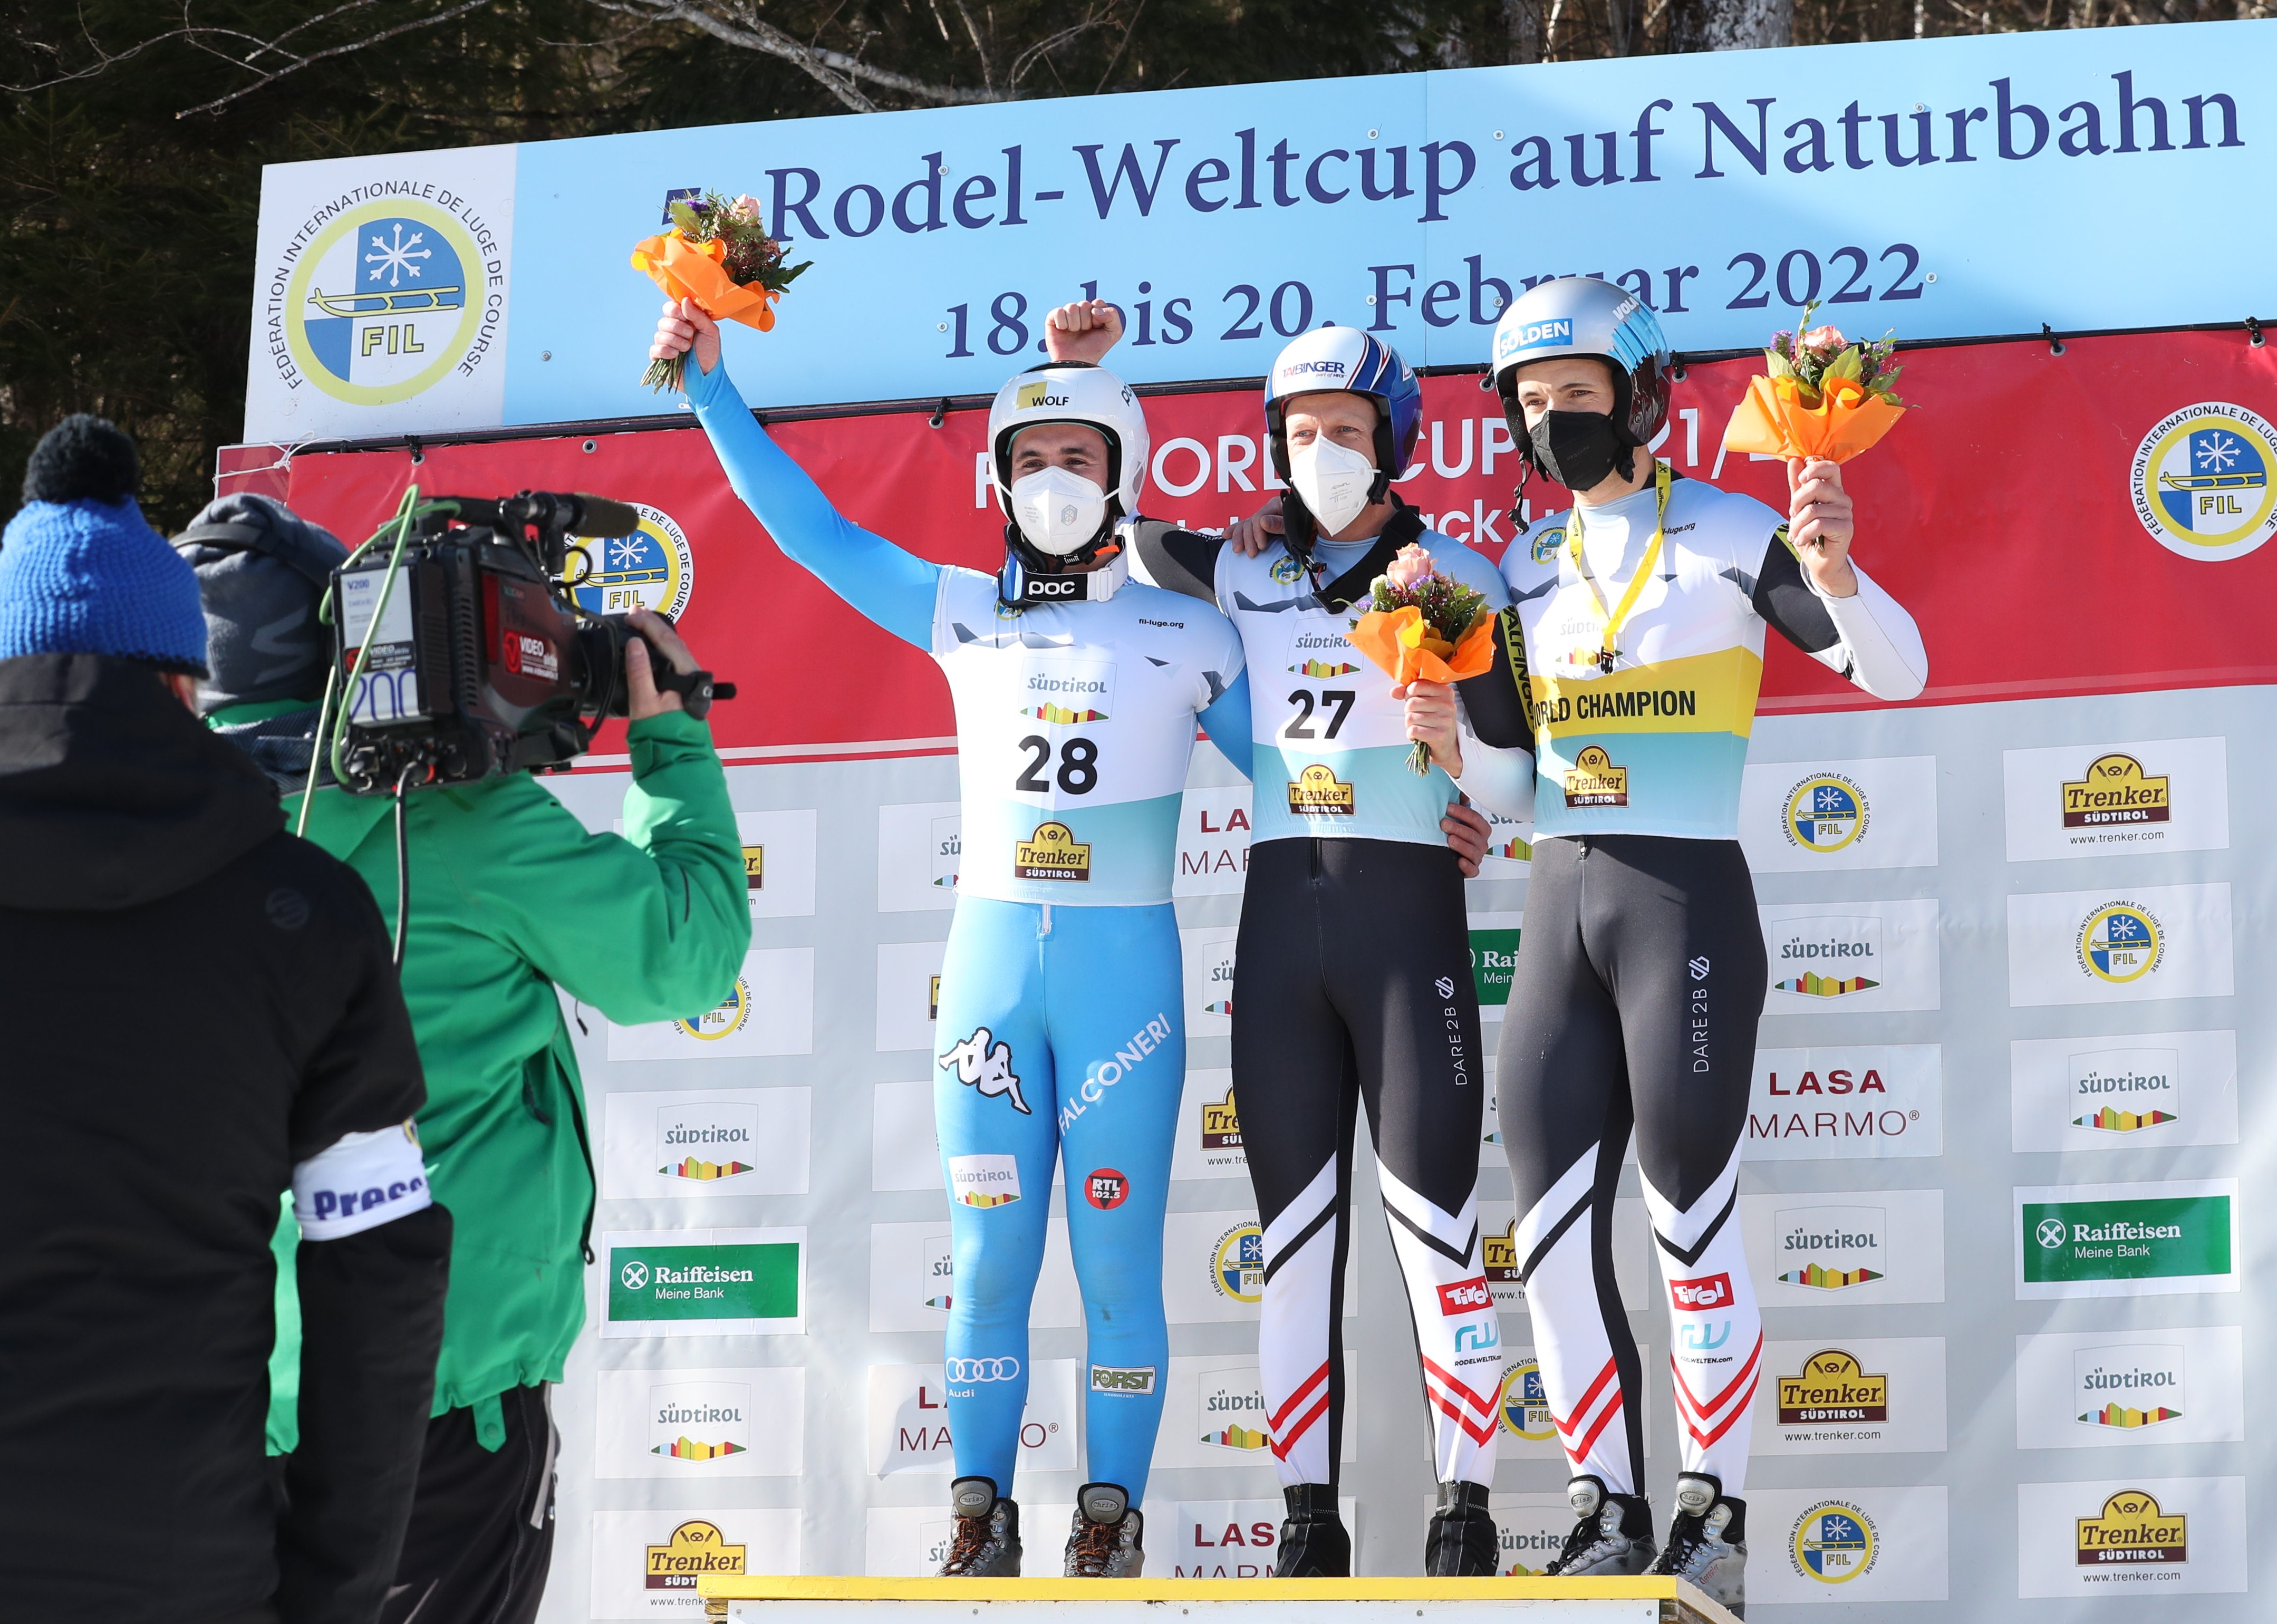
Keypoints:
pixel 1057 511
pixel 1333 481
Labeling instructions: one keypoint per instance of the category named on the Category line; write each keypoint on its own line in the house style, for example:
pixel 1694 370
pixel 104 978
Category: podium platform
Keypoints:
pixel 763 1599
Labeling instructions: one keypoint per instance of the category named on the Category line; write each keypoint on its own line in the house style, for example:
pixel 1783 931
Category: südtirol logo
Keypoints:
pixel 2154 1237
pixel 1834 1542
pixel 729 1018
pixel 2132 1526
pixel 1831 1248
pixel 984 1180
pixel 1217 984
pixel 1322 667
pixel 2125 1090
pixel 1522 1405
pixel 1833 1389
pixel 1826 956
pixel 706 1141
pixel 1316 790
pixel 748 1281
pixel 1238 1264
pixel 2116 790
pixel 1594 779
pixel 700 1420
pixel 939 1281
pixel 2201 481
pixel 389 296
pixel 2119 942
pixel 1825 813
pixel 2131 1385
pixel 653 568
pixel 1052 852
pixel 1064 694
pixel 1231 1404
pixel 947 851
pixel 693 1549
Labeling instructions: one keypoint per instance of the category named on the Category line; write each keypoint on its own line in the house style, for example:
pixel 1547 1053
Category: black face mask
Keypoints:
pixel 1579 449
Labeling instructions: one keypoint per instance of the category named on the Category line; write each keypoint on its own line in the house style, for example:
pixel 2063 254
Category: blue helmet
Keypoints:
pixel 1346 359
pixel 1584 316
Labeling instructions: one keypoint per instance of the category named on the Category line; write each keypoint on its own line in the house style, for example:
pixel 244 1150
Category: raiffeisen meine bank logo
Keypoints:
pixel 387 299
pixel 2201 481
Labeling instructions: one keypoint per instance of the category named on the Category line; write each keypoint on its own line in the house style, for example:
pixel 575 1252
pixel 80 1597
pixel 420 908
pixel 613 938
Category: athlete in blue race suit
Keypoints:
pixel 1060 1014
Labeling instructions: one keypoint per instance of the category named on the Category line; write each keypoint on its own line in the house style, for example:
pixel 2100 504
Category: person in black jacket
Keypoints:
pixel 201 1013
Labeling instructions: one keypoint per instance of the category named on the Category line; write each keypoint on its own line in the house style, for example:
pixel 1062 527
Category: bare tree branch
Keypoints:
pixel 833 70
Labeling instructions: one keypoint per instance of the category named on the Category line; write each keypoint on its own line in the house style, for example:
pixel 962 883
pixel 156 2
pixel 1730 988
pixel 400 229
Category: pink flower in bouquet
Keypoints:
pixel 745 207
pixel 1410 567
pixel 1823 337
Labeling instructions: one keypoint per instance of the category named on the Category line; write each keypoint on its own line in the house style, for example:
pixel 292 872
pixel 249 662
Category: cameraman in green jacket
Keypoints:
pixel 510 897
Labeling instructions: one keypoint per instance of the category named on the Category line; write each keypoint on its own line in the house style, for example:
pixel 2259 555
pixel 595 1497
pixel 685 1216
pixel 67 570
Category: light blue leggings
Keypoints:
pixel 1060 1031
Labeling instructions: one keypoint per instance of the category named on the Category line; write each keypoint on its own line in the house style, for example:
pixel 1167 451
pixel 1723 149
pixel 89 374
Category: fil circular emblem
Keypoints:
pixel 1834 1543
pixel 385 301
pixel 2121 942
pixel 1285 569
pixel 652 568
pixel 1523 1405
pixel 1825 813
pixel 1237 1266
pixel 714 1024
pixel 2202 481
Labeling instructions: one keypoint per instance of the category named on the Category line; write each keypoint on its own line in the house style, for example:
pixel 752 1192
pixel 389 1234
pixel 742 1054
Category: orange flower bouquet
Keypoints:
pixel 719 253
pixel 1424 627
pixel 1825 397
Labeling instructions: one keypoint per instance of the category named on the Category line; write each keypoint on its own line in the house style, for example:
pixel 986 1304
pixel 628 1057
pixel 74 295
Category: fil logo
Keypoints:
pixel 1700 1295
pixel 1825 813
pixel 2121 942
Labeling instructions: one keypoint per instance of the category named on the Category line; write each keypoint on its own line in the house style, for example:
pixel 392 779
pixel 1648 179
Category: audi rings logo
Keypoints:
pixel 2051 1232
pixel 634 1275
pixel 983 1369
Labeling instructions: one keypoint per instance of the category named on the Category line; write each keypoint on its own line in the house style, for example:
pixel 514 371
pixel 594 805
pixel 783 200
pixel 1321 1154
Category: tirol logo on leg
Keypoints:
pixel 984 1180
pixel 1471 1296
pixel 1700 1295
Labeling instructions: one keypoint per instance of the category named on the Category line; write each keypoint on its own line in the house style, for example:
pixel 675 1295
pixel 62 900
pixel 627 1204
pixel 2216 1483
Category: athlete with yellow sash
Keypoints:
pixel 1634 650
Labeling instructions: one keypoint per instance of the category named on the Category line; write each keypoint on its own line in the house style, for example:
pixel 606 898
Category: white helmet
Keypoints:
pixel 1073 391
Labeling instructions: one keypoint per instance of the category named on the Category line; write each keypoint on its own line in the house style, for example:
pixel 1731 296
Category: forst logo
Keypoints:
pixel 1108 1378
pixel 1700 1295
pixel 1471 1296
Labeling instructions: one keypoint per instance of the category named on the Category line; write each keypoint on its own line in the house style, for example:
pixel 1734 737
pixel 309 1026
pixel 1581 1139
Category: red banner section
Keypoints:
pixel 2003 513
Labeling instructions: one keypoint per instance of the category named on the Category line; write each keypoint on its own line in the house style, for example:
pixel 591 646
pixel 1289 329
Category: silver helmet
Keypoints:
pixel 1584 316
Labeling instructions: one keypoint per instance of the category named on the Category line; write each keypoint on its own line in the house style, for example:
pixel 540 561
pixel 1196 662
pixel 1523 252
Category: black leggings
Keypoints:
pixel 1352 989
pixel 1639 983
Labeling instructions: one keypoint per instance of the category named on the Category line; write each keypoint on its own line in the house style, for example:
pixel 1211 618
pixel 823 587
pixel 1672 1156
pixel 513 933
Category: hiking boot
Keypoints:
pixel 1461 1543
pixel 1613 1535
pixel 1314 1543
pixel 1106 1539
pixel 1708 1542
pixel 987 1541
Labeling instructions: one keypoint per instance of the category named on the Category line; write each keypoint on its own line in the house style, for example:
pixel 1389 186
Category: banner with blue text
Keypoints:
pixel 1953 187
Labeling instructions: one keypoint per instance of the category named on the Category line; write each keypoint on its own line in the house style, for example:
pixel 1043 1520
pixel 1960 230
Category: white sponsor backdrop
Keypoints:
pixel 1944 1424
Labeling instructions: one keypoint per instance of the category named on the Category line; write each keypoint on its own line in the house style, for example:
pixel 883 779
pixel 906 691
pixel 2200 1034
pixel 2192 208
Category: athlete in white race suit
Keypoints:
pixel 1631 660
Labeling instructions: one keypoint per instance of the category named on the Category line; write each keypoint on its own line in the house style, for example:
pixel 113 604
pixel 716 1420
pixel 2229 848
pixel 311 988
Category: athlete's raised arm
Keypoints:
pixel 1818 599
pixel 892 586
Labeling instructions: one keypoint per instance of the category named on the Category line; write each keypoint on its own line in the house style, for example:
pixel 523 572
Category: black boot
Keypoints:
pixel 987 1544
pixel 1461 1543
pixel 1314 1543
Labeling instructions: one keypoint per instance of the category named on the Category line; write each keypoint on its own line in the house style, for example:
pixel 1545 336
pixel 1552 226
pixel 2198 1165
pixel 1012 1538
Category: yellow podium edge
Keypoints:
pixel 774 1587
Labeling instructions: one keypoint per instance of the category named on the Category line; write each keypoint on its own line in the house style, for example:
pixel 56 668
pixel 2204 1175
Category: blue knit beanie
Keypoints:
pixel 81 571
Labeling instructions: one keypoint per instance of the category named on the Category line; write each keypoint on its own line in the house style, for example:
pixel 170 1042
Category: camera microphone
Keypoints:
pixel 599 515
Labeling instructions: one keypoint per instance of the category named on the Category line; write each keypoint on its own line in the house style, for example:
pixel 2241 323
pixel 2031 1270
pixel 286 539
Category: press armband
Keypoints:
pixel 363 1181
